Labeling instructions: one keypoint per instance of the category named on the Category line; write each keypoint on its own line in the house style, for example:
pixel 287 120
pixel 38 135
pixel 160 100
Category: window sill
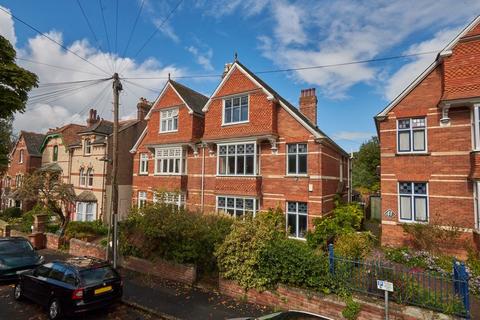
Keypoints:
pixel 237 176
pixel 162 132
pixel 412 221
pixel 401 154
pixel 296 238
pixel 297 176
pixel 143 174
pixel 234 123
pixel 169 174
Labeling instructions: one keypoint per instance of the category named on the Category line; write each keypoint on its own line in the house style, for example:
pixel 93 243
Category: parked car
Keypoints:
pixel 16 254
pixel 70 287
pixel 288 315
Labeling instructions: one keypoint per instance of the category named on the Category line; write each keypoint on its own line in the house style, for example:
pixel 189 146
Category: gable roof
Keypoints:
pixel 68 133
pixel 272 94
pixel 192 99
pixel 33 141
pixel 103 127
pixel 447 51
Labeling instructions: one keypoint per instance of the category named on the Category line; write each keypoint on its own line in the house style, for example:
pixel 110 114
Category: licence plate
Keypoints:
pixel 103 290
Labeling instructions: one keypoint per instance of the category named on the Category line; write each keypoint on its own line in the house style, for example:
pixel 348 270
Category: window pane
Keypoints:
pixel 163 126
pixel 419 140
pixel 223 150
pixel 291 207
pixel 250 148
pixel 175 123
pixel 405 208
pixel 420 188
pixel 236 102
pixel 221 201
pixel 236 114
pixel 404 124
pixel 292 224
pixel 404 141
pixel 302 147
pixel 177 165
pixel 292 164
pixel 228 115
pixel 292 148
pixel 302 207
pixel 244 113
pixel 170 165
pixel 244 100
pixel 240 165
pixel 222 163
pixel 228 103
pixel 164 166
pixel 302 163
pixel 418 123
pixel 231 165
pixel 302 226
pixel 249 169
pixel 405 187
pixel 420 208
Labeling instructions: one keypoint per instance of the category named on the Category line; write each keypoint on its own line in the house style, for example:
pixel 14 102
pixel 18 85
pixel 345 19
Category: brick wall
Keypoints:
pixel 53 241
pixel 81 248
pixel 163 269
pixel 286 298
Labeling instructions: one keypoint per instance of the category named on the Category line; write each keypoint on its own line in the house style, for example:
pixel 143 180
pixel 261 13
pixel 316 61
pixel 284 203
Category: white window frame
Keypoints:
pixel 411 130
pixel 89 176
pixel 256 205
pixel 82 178
pixel 160 156
pixel 143 168
pixel 174 198
pixel 412 196
pixel 230 98
pixel 297 217
pixel 142 199
pixel 476 127
pixel 476 203
pixel 87 147
pixel 20 160
pixel 168 116
pixel 255 159
pixel 296 159
pixel 82 214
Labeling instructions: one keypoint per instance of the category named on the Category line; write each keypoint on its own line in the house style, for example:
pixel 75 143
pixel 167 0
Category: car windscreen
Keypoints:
pixel 97 275
pixel 15 247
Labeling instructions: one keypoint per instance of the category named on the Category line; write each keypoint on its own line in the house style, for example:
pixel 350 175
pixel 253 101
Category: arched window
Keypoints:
pixel 88 146
pixel 55 153
pixel 82 177
pixel 90 177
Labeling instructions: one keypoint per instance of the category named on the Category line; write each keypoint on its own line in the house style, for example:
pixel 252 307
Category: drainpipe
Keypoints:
pixel 203 178
pixel 350 193
pixel 105 155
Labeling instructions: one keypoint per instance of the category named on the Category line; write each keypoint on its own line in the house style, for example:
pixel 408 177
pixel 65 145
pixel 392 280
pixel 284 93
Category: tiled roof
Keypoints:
pixel 68 132
pixel 33 141
pixel 100 127
pixel 195 100
pixel 86 196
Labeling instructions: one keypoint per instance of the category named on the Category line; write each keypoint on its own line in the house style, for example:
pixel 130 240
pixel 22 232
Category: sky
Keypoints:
pixel 201 36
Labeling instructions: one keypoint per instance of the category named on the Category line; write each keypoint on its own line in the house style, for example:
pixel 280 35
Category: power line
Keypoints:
pixel 51 39
pixel 292 69
pixel 71 82
pixel 104 25
pixel 116 24
pixel 132 31
pixel 58 67
pixel 91 28
pixel 140 86
pixel 58 94
pixel 158 28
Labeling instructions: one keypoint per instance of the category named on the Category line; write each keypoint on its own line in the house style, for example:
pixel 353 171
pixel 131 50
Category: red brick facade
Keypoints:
pixel 446 96
pixel 271 125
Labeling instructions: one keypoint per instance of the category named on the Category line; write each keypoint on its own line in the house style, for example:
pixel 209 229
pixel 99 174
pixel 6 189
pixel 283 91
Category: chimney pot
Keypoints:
pixel 308 104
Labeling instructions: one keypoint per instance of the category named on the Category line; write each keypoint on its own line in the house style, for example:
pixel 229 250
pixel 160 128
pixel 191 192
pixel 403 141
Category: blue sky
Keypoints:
pixel 201 36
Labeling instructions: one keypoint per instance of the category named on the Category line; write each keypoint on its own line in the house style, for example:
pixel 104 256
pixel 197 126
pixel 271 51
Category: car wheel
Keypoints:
pixel 18 292
pixel 54 310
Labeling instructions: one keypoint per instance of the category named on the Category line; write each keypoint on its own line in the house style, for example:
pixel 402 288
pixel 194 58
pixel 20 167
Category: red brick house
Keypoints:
pixel 25 157
pixel 242 150
pixel 430 146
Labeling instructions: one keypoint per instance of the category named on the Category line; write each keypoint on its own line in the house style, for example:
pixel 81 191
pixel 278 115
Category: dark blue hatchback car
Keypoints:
pixel 16 254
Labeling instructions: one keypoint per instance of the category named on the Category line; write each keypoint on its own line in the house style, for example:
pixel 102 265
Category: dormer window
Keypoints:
pixel 20 160
pixel 235 110
pixel 87 147
pixel 169 120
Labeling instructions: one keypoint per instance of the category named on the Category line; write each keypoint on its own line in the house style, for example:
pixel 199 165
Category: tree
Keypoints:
pixel 6 143
pixel 365 178
pixel 45 187
pixel 15 82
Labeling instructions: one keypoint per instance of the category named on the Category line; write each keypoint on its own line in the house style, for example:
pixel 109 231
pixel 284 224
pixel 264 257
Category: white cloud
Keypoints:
pixel 166 29
pixel 353 135
pixel 289 28
pixel 6 27
pixel 219 8
pixel 408 72
pixel 202 58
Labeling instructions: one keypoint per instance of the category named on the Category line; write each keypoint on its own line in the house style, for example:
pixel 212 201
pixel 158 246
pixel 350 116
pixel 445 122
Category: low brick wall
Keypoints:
pixel 81 248
pixel 287 298
pixel 163 269
pixel 53 241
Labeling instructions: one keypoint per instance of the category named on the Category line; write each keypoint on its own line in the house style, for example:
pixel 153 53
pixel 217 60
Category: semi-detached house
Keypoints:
pixel 430 147
pixel 242 150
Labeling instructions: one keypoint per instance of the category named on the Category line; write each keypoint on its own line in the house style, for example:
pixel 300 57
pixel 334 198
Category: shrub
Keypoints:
pixel 431 236
pixel 240 255
pixel 352 309
pixel 25 222
pixel 10 213
pixel 293 262
pixel 85 230
pixel 355 245
pixel 164 231
pixel 345 218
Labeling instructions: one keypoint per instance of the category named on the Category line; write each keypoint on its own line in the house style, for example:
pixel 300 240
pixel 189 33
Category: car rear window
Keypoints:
pixel 15 247
pixel 97 275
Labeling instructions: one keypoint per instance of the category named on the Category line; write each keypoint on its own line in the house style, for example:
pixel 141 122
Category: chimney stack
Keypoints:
pixel 92 118
pixel 143 106
pixel 308 104
pixel 226 69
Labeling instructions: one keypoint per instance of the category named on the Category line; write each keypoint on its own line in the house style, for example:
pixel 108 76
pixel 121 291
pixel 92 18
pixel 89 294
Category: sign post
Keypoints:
pixel 386 287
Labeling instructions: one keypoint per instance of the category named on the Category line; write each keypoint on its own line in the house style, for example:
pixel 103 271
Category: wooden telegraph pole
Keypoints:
pixel 117 87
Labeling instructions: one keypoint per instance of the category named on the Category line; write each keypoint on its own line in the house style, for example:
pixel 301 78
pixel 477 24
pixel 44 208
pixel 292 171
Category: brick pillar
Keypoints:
pixel 39 223
pixel 308 104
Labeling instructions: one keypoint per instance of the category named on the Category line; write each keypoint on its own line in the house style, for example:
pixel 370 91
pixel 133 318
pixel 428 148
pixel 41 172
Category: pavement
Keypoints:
pixel 162 299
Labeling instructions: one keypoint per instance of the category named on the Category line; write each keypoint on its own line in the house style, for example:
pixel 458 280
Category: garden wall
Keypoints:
pixel 81 248
pixel 185 273
pixel 330 306
pixel 53 241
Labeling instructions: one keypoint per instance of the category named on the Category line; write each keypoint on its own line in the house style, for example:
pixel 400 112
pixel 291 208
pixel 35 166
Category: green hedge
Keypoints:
pixel 164 231
pixel 85 229
pixel 10 213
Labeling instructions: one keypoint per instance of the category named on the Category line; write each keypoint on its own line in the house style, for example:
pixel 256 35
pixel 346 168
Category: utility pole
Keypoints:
pixel 117 87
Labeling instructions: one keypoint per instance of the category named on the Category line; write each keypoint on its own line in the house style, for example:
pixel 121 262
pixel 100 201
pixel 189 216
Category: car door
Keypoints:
pixel 36 286
pixel 57 285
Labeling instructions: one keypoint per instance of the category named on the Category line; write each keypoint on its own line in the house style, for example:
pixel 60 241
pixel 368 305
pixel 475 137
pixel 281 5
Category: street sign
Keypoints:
pixel 385 285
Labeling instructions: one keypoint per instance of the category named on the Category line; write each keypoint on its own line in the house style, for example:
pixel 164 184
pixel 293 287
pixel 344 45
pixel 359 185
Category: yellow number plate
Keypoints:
pixel 104 289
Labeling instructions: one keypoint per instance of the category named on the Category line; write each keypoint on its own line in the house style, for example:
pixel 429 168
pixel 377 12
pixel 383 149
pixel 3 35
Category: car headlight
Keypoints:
pixel 41 259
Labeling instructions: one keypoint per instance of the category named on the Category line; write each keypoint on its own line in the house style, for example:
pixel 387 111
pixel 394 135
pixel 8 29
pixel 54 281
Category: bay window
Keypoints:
pixel 86 211
pixel 170 161
pixel 235 110
pixel 169 120
pixel 237 159
pixel 413 201
pixel 173 198
pixel 297 158
pixel 237 206
pixel 411 135
pixel 297 217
